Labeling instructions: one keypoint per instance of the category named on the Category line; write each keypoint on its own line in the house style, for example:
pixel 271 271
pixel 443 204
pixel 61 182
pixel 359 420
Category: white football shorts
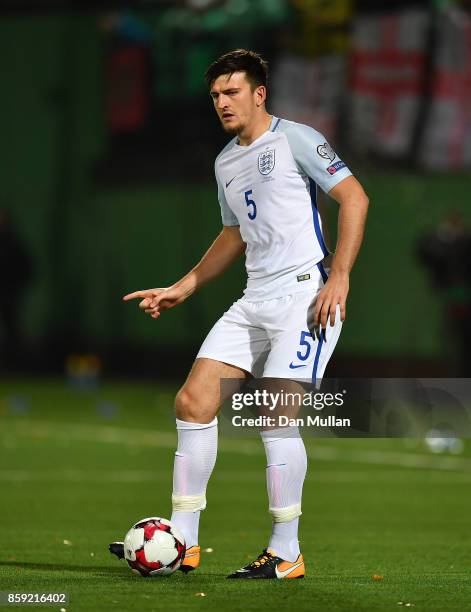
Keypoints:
pixel 274 338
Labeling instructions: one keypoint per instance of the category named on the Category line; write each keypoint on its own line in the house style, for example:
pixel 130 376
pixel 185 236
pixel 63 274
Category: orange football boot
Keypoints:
pixel 270 566
pixel 191 560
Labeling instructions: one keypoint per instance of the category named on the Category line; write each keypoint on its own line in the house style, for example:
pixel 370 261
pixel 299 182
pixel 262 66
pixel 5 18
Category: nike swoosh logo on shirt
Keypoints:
pixel 227 184
pixel 282 574
pixel 293 367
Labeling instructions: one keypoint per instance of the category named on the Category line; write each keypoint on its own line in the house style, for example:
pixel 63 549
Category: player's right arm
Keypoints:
pixel 224 251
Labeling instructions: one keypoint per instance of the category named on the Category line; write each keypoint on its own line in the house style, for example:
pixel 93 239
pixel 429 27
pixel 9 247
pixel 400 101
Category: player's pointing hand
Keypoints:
pixel 155 301
pixel 146 296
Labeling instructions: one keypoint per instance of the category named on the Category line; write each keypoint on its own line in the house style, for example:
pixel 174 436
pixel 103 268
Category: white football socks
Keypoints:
pixel 194 462
pixel 286 470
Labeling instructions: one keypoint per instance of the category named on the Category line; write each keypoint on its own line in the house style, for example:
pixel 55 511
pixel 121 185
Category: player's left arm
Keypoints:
pixel 353 208
pixel 317 160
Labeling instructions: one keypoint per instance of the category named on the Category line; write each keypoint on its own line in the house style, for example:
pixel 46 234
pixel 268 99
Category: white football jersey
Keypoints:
pixel 269 189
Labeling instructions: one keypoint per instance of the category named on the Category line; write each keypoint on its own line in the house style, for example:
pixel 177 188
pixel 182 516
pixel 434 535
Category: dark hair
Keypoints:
pixel 240 60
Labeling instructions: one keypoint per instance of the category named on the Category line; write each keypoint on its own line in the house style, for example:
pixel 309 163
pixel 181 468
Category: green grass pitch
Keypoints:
pixel 77 468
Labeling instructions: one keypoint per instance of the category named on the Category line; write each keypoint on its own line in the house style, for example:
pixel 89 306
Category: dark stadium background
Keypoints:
pixel 107 159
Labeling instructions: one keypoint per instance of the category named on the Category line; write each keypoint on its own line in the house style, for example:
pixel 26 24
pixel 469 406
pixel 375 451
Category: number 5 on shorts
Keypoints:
pixel 303 341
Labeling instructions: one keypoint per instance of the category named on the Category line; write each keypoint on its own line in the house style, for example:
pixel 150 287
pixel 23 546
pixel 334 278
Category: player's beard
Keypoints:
pixel 232 130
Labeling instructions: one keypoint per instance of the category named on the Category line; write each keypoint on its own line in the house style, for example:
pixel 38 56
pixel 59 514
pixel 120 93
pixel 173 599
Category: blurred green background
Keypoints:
pixel 95 234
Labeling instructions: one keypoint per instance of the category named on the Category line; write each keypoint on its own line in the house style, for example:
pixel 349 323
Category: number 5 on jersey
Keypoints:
pixel 253 212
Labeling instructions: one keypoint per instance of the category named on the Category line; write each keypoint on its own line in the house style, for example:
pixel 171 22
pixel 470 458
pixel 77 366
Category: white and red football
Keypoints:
pixel 154 547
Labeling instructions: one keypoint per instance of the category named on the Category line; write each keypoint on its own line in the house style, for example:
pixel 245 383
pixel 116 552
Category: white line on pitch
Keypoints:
pixel 142 438
pixel 135 476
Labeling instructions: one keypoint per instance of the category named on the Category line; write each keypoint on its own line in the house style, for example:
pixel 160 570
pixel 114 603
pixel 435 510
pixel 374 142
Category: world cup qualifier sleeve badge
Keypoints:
pixel 266 161
pixel 326 152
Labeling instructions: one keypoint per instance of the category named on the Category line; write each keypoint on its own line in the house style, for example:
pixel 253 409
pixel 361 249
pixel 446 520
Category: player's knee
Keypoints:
pixel 188 407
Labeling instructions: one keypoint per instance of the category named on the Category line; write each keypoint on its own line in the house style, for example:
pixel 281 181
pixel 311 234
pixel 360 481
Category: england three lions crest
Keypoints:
pixel 266 161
